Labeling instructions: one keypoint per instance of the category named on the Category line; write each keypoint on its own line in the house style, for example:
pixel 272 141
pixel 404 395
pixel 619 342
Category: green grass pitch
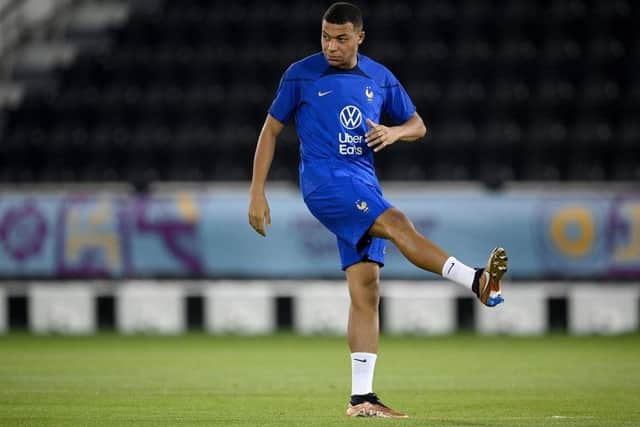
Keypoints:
pixel 286 380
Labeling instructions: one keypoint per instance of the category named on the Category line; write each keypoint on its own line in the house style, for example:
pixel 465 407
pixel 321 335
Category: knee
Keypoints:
pixel 371 285
pixel 366 295
pixel 393 223
pixel 397 219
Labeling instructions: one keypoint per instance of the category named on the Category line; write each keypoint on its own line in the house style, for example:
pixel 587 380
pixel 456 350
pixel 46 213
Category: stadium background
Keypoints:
pixel 133 292
pixel 127 133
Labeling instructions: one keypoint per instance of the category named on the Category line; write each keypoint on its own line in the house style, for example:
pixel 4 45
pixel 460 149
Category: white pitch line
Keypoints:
pixel 569 417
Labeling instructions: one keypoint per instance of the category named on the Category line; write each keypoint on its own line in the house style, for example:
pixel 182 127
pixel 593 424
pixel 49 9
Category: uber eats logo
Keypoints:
pixel 350 118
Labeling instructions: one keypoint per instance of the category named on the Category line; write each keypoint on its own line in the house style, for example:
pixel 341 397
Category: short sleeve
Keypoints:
pixel 397 103
pixel 284 105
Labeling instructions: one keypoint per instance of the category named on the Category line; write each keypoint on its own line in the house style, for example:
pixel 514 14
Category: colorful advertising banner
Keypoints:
pixel 195 234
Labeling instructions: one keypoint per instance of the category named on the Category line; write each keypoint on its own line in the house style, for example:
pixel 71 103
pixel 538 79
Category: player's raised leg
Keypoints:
pixel 363 331
pixel 394 225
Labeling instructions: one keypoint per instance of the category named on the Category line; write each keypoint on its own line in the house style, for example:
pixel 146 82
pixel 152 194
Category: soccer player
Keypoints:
pixel 337 97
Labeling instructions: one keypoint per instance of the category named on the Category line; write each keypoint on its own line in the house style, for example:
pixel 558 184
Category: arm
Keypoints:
pixel 258 205
pixel 380 136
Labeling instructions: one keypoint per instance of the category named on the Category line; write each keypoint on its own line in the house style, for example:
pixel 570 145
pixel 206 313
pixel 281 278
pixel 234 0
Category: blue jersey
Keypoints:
pixel 330 106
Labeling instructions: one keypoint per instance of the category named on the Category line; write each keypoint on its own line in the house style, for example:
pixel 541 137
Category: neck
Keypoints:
pixel 350 65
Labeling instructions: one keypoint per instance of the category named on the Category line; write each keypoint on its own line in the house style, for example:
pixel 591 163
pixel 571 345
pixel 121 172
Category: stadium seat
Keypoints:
pixel 626 151
pixel 545 149
pixel 453 150
pixel 590 141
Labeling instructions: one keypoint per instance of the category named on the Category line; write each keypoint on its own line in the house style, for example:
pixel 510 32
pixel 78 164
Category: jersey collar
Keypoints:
pixel 355 70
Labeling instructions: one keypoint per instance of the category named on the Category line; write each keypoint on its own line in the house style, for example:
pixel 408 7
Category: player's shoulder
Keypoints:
pixel 376 71
pixel 310 67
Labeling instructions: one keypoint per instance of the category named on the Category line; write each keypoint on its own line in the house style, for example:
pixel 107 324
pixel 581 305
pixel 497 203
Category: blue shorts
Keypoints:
pixel 348 207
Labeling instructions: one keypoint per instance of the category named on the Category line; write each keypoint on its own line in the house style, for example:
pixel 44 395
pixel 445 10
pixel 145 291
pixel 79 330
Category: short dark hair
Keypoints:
pixel 342 12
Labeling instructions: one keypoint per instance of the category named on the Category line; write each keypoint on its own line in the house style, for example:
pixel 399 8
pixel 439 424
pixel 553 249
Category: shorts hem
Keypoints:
pixel 366 259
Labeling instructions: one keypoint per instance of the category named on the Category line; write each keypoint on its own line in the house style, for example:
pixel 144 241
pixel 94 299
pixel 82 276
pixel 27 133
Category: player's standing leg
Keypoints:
pixel 363 332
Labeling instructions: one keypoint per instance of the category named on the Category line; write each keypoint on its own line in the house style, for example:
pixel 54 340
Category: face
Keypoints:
pixel 340 44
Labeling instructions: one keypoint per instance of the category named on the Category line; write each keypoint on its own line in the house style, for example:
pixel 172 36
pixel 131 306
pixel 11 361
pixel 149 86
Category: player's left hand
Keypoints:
pixel 380 136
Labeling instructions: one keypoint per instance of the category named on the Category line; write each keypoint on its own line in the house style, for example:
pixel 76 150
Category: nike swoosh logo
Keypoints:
pixel 452 264
pixel 320 93
pixel 360 360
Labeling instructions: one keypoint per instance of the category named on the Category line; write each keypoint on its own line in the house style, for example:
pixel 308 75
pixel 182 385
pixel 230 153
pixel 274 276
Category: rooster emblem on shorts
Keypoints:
pixel 362 205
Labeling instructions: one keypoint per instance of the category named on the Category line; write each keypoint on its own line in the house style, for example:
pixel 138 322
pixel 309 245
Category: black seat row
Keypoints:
pixel 548 88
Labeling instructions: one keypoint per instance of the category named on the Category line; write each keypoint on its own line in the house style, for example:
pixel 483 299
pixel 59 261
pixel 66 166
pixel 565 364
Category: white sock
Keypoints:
pixel 362 367
pixel 457 272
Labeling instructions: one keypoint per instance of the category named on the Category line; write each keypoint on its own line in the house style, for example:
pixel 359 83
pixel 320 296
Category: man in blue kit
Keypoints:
pixel 337 98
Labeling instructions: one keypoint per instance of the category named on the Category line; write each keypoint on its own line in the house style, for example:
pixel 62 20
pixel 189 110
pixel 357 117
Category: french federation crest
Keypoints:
pixel 369 93
pixel 362 206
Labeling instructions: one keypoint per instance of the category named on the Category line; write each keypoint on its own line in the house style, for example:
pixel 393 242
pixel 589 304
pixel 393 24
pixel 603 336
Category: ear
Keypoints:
pixel 360 37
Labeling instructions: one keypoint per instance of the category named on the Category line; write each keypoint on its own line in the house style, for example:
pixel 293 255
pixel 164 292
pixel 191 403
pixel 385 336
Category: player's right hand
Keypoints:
pixel 259 214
